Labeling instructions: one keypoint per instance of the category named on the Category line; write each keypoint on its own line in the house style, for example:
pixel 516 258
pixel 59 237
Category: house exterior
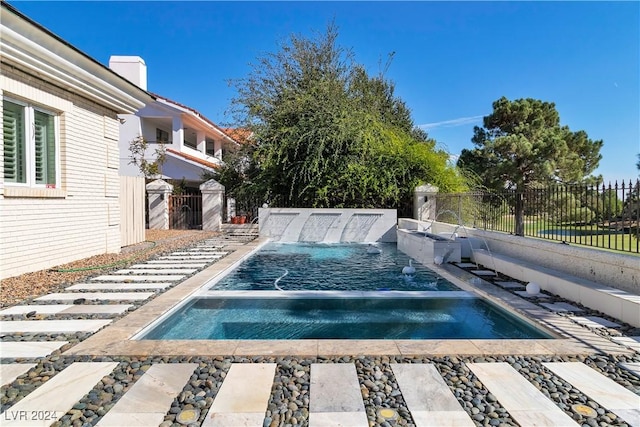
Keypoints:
pixel 193 143
pixel 59 172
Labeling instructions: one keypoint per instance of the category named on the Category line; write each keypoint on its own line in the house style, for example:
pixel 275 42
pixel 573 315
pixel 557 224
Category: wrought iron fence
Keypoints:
pixel 185 212
pixel 605 216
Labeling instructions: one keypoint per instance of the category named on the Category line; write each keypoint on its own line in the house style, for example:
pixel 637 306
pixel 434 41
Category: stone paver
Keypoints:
pixel 29 349
pixel 179 261
pixel 428 397
pixel 526 404
pixel 631 342
pixel 509 285
pixel 525 294
pixel 483 272
pixel 174 266
pixel 148 278
pixel 594 322
pixel 561 307
pixel 52 309
pixel 149 399
pixel 634 368
pixel 117 286
pixel 52 326
pixel 243 397
pixel 8 373
pixel 334 396
pixel 53 399
pixel 98 296
pixel 606 392
pixel 157 271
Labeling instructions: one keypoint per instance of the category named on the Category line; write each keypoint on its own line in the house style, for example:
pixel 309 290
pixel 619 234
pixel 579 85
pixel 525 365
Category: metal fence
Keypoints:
pixel 185 212
pixel 605 216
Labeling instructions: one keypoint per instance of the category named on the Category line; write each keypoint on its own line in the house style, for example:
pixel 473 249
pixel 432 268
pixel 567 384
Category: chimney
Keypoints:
pixel 131 68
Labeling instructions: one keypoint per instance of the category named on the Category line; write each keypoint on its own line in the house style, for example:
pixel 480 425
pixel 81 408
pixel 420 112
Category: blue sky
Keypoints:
pixel 452 59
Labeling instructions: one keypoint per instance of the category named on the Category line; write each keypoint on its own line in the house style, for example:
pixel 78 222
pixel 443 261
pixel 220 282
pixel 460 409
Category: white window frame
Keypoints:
pixel 30 145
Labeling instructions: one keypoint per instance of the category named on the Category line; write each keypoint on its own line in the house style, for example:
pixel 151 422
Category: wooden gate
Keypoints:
pixel 185 212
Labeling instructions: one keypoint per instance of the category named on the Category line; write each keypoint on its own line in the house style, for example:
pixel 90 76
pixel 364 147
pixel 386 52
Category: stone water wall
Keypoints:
pixel 328 225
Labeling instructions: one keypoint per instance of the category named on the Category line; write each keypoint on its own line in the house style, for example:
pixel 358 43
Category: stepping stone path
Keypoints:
pixel 97 297
pixel 631 342
pixel 335 397
pixel 526 404
pixel 562 307
pixel 53 399
pixel 428 397
pixel 146 403
pixel 29 349
pixel 243 396
pixel 594 322
pixel 509 285
pixel 525 294
pixel 601 389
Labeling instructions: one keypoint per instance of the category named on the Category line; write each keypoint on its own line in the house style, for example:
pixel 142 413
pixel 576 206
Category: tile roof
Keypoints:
pixel 195 159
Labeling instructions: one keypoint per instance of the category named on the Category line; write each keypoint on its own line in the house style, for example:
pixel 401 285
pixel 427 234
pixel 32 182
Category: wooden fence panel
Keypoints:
pixel 132 210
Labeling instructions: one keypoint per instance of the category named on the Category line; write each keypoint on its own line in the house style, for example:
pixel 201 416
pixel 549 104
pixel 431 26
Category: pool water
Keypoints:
pixel 341 318
pixel 336 266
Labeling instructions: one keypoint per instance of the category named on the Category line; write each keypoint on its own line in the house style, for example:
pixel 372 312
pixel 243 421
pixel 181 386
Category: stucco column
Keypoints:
pixel 424 202
pixel 212 204
pixel 159 192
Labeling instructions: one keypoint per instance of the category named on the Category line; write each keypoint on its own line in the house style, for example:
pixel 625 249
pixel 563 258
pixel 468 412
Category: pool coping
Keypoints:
pixel 115 339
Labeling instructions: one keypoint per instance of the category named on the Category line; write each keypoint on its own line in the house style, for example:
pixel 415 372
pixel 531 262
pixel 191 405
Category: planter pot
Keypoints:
pixel 243 219
pixel 235 220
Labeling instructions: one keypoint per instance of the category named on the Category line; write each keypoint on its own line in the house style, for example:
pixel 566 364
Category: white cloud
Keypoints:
pixel 451 123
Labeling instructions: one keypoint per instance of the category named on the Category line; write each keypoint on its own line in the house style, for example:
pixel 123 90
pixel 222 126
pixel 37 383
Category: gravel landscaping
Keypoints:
pixel 32 285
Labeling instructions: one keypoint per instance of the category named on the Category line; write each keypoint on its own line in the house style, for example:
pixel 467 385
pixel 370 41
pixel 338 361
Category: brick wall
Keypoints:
pixel 42 228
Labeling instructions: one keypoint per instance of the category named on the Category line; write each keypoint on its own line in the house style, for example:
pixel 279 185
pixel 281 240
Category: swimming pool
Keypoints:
pixel 339 316
pixel 337 266
pixel 337 291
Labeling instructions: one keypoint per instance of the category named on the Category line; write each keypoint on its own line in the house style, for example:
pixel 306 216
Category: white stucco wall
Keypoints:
pixel 42 228
pixel 615 269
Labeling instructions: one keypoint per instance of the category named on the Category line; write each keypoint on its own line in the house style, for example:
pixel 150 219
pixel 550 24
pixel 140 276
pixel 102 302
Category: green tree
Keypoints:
pixel 138 152
pixel 522 145
pixel 329 135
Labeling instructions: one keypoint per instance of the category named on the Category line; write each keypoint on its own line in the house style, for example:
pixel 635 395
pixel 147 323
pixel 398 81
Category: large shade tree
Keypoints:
pixel 329 135
pixel 523 145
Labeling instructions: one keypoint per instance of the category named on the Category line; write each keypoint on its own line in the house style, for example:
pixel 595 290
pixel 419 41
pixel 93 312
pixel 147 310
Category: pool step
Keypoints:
pixel 146 403
pixel 600 388
pixel 243 397
pixel 428 397
pixel 334 396
pixel 526 404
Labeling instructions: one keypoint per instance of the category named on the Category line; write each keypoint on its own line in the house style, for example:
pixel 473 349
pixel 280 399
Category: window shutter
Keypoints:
pixel 14 143
pixel 45 146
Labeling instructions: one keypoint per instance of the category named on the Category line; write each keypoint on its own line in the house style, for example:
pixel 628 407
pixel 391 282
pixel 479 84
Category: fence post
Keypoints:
pixel 212 205
pixel 159 192
pixel 424 202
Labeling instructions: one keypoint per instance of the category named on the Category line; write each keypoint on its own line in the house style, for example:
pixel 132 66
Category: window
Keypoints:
pixel 162 136
pixel 30 143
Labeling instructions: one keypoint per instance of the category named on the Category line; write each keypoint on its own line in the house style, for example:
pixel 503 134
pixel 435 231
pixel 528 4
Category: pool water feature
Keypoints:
pixel 324 267
pixel 337 317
